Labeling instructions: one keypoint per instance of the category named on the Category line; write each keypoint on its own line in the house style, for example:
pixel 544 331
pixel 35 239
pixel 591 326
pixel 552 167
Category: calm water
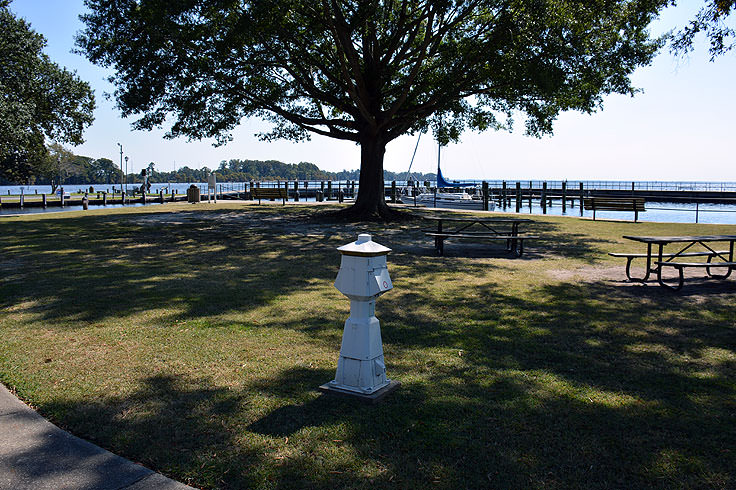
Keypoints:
pixel 656 212
pixel 661 212
pixel 180 188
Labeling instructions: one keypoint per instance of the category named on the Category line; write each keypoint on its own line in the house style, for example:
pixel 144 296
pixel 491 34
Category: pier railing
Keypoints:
pixel 531 196
pixel 609 185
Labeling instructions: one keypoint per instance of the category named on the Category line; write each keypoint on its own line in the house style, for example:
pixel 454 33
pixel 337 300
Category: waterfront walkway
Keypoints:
pixel 37 455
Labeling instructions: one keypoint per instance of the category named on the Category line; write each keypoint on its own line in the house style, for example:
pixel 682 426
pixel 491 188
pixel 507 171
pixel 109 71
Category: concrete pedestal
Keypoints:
pixel 371 398
pixel 363 276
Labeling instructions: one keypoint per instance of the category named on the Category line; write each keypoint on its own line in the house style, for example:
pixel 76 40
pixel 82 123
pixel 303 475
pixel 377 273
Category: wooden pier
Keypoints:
pixel 511 196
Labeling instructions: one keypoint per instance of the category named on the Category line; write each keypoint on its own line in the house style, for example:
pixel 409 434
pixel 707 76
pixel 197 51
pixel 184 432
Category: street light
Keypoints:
pixel 121 167
pixel 126 174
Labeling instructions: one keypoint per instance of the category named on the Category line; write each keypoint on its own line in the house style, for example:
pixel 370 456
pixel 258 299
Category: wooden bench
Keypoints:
pixel 271 193
pixel 514 243
pixel 635 204
pixel 680 266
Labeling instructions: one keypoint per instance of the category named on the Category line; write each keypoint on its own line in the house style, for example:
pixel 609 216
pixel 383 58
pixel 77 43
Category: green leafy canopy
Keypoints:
pixel 339 68
pixel 39 100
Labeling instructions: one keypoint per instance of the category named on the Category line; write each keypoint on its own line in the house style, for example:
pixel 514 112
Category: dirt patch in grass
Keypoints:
pixel 698 288
pixel 588 274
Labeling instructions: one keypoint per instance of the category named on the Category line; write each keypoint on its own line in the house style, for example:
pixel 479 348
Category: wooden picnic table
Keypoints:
pixel 479 228
pixel 655 263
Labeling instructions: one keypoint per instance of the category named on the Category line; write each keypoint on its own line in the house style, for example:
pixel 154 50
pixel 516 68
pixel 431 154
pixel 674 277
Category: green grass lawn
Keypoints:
pixel 192 339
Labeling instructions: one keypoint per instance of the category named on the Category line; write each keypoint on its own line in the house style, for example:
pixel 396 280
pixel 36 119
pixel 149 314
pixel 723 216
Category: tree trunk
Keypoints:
pixel 370 204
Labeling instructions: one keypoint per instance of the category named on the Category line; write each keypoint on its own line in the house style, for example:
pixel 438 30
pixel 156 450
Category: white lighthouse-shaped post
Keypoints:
pixel 363 277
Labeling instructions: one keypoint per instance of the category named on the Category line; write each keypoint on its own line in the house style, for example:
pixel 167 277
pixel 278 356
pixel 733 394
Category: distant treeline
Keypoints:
pixel 246 170
pixel 75 169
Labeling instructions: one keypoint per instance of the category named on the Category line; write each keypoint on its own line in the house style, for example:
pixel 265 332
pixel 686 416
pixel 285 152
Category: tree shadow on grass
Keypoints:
pixel 548 391
pixel 643 357
pixel 554 239
pixel 95 268
pixel 576 386
pixel 173 425
pixel 200 267
pixel 564 385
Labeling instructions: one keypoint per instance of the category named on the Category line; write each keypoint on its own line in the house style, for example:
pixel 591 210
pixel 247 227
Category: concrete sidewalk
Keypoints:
pixel 37 455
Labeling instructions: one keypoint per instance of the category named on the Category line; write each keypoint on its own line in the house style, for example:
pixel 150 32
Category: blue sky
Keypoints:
pixel 680 128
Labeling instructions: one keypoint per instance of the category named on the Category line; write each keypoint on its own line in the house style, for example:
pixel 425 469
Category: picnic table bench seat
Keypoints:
pixel 479 228
pixel 680 266
pixel 657 260
pixel 631 256
pixel 511 239
pixel 686 254
pixel 696 264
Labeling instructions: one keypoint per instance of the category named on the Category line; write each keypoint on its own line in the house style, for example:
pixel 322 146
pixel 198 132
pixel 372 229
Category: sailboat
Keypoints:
pixel 457 200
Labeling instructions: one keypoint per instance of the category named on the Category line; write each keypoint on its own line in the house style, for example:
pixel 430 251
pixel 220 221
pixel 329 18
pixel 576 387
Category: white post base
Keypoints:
pixel 360 368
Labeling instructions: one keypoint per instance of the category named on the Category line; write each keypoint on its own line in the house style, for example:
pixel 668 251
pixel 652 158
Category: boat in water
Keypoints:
pixel 459 200
pixel 456 198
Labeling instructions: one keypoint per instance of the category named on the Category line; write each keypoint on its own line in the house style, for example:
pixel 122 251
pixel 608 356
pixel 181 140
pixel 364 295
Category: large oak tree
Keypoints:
pixel 366 71
pixel 39 101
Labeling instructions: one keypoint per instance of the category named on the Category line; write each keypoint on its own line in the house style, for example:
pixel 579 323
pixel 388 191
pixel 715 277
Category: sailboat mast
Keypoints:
pixel 437 180
pixel 408 172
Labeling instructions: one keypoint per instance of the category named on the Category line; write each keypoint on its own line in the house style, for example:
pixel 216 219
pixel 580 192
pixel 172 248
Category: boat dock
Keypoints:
pixel 510 196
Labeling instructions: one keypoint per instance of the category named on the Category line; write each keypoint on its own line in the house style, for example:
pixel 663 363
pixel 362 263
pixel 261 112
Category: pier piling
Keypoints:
pixel 544 198
pixel 581 198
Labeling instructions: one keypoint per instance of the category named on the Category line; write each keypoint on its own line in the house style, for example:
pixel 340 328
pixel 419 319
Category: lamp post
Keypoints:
pixel 121 167
pixel 126 175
